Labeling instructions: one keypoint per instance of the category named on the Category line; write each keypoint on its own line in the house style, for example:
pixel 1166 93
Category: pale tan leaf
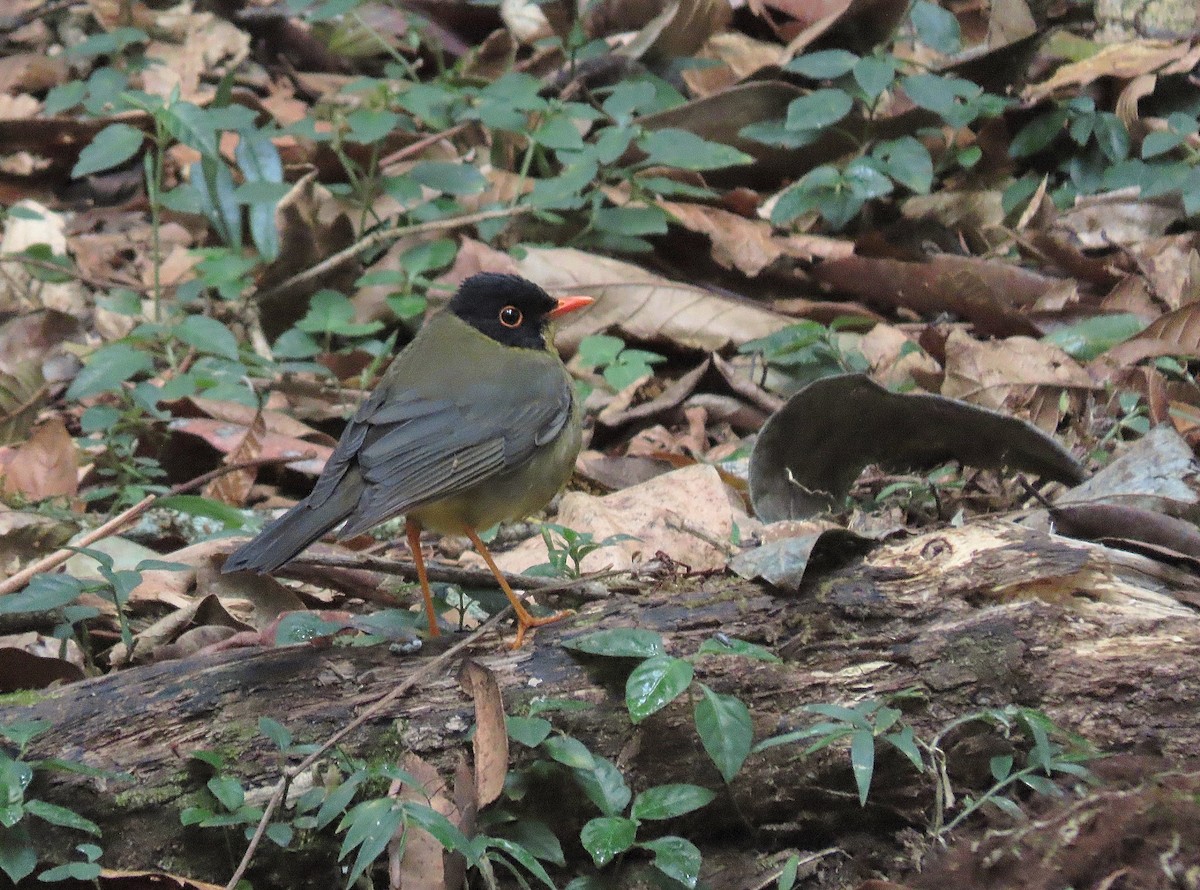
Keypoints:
pixel 1001 373
pixel 234 487
pixel 1123 61
pixel 490 743
pixel 44 466
pixel 643 306
pixel 750 245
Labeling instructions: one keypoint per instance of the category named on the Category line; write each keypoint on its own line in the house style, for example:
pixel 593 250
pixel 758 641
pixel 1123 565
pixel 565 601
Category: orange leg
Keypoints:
pixel 412 529
pixel 524 619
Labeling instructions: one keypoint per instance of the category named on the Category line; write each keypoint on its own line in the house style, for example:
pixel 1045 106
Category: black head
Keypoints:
pixel 507 308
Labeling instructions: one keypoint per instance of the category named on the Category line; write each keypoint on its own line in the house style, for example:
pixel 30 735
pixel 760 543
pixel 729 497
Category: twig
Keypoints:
pixel 582 587
pixel 15 582
pixel 382 236
pixel 421 144
pixel 369 712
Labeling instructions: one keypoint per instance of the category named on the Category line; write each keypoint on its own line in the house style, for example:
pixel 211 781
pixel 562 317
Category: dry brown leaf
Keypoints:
pixel 750 245
pixel 1121 217
pixel 419 863
pixel 1002 373
pixel 688 514
pixel 1123 61
pixel 810 452
pixel 226 437
pixel 490 743
pixel 643 306
pixel 234 487
pixel 45 466
pixel 31 73
pixel 988 293
pixel 1171 266
pixel 740 56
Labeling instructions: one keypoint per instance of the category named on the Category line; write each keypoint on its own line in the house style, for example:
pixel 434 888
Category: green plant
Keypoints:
pixel 18 853
pixel 864 725
pixel 619 366
pixel 1051 752
pixel 567 554
pixel 872 722
pixel 850 91
pixel 804 352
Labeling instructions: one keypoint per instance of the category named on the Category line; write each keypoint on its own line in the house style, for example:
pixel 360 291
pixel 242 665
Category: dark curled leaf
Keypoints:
pixel 783 563
pixel 810 452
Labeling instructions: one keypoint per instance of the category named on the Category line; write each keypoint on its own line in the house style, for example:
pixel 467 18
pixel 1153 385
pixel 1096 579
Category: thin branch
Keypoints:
pixel 382 236
pixel 15 582
pixel 369 712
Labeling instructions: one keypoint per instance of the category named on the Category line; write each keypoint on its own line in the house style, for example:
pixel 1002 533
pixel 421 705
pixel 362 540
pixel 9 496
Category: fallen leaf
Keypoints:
pixel 45 466
pixel 643 306
pixel 490 742
pixel 809 453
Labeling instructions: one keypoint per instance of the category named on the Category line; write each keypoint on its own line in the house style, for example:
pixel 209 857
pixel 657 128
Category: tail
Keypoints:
pixel 286 536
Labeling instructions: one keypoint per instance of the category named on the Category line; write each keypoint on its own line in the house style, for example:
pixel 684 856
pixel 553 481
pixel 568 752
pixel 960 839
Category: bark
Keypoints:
pixel 1103 641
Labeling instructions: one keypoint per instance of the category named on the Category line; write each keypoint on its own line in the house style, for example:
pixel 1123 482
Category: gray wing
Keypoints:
pixel 410 449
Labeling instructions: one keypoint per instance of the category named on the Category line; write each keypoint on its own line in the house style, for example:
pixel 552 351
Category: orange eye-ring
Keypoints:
pixel 511 317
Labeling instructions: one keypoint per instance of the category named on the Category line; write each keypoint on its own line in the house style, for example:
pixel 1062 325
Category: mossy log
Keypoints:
pixel 1103 641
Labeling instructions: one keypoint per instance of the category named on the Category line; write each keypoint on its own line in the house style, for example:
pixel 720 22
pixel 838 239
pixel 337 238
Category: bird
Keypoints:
pixel 476 421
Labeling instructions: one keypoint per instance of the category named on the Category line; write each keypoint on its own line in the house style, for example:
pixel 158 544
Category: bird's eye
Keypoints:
pixel 511 317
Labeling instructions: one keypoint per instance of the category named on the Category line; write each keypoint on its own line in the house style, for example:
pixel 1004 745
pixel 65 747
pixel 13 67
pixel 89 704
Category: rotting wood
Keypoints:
pixel 982 616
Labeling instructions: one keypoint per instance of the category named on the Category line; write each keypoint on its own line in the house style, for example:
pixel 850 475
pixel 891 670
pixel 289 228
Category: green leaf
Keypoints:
pixel 631 220
pixel 369 827
pixel 596 351
pixel 276 732
pixel 17 856
pixel 193 126
pixel 669 801
pixel 559 134
pixel 606 837
pixel 787 877
pixel 937 28
pixel 1006 806
pixel 675 857
pixel 1090 337
pixel 907 161
pixel 213 186
pixel 280 833
pixel 443 830
pixel 862 761
pixel 823 65
pixel 112 146
pixel 734 646
pixel 44 593
pixel 61 816
pixel 685 150
pixel 1041 785
pixel 228 790
pixel 80 871
pixel 621 642
pixel 370 125
pixel 449 177
pixel 821 108
pixel 330 312
pixel 1161 142
pixel 569 752
pixel 654 684
pixel 536 838
pixel 261 166
pixel 604 786
pixel 874 74
pixel 208 336
pixel 529 731
pixel 524 858
pixel 1038 133
pixel 206 508
pixel 726 730
pixel 905 742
